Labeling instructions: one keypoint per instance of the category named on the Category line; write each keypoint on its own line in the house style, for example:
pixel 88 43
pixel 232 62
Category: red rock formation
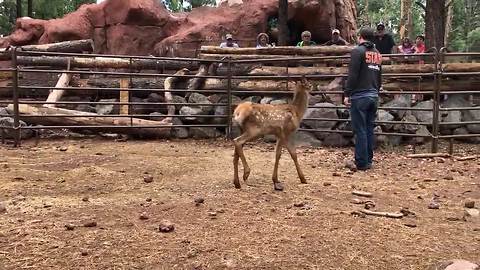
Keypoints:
pixel 142 27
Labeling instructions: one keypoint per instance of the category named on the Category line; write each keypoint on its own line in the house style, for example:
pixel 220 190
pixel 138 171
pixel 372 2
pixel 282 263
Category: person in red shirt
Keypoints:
pixel 419 44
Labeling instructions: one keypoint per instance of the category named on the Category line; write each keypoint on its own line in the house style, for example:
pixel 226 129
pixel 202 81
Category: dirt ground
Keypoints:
pixel 46 187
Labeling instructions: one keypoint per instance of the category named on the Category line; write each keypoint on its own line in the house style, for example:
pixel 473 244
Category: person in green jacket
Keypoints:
pixel 306 40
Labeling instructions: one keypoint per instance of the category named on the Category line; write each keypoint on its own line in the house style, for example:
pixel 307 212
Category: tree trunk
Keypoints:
pixel 406 23
pixel 74 46
pixel 448 22
pixel 19 9
pixel 57 94
pixel 435 16
pixel 283 39
pixel 30 9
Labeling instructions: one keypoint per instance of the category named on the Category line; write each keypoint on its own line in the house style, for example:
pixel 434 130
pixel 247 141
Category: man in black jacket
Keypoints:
pixel 361 91
pixel 383 41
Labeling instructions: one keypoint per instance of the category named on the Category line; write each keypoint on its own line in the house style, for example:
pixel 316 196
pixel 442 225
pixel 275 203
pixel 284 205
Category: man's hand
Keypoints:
pixel 346 101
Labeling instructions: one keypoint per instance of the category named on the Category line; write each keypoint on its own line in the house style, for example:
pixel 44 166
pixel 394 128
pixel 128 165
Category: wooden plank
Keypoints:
pixel 124 96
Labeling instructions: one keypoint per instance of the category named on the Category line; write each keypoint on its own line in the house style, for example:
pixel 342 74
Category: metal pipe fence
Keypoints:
pixel 227 90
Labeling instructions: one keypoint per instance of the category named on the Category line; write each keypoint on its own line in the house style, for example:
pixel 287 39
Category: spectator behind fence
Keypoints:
pixel 229 43
pixel 406 47
pixel 419 44
pixel 383 41
pixel 336 39
pixel 262 41
pixel 306 40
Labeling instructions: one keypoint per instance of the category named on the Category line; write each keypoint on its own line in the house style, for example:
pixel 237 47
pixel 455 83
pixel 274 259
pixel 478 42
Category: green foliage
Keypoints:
pixel 473 40
pixel 465 33
pixel 187 5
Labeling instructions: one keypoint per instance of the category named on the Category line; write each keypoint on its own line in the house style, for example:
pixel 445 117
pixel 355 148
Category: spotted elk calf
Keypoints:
pixel 282 121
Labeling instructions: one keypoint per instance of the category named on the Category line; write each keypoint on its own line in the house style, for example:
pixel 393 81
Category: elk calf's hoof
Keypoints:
pixel 278 186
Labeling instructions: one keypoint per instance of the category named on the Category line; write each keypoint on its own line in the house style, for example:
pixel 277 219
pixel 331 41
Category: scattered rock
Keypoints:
pixel 179 132
pixel 143 216
pixel 253 99
pixel 199 201
pixel 84 253
pixel 369 205
pixel 433 205
pixel 3 209
pixel 356 201
pixel 266 100
pixel 470 204
pixel 471 212
pixel 212 214
pixel 337 174
pixel 69 227
pixel 326 184
pixel 448 177
pixel 148 179
pixel 299 204
pixel 90 224
pixel 454 265
pixel 410 224
pixel 148 199
pixel 85 199
pixel 166 226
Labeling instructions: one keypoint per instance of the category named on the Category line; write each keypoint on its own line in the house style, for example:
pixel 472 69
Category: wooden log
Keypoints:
pixel 473 157
pixel 92 119
pixel 74 46
pixel 461 67
pixel 274 70
pixel 280 50
pixel 362 193
pixel 105 62
pixel 381 214
pixel 124 96
pixel 429 155
pixel 56 94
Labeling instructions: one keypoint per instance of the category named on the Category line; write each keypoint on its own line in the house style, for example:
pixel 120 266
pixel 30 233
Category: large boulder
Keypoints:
pixel 335 140
pixel 424 116
pixel 144 27
pixel 7 122
pixel 454 101
pixel 400 101
pixel 303 138
pixel 326 112
pixel 384 116
pixel 472 116
pixel 407 128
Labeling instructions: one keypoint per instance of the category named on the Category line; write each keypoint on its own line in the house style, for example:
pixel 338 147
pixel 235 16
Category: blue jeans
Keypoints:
pixel 363 112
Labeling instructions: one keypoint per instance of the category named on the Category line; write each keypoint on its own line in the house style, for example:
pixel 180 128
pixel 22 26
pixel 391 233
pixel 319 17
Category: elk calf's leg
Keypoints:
pixel 236 157
pixel 278 153
pixel 293 153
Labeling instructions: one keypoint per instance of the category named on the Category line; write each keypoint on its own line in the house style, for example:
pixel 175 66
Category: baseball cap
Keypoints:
pixel 380 26
pixel 228 36
pixel 336 31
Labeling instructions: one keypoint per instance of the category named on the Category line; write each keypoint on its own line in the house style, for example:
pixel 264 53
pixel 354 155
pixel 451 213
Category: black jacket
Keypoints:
pixel 385 43
pixel 365 69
